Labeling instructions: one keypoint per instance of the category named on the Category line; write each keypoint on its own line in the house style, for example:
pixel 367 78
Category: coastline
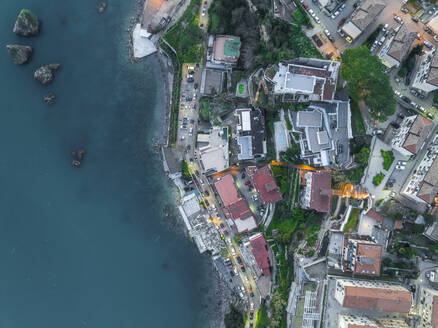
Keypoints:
pixel 218 297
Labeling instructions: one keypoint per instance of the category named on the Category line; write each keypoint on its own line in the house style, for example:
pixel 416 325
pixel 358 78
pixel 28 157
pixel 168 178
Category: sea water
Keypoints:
pixel 88 246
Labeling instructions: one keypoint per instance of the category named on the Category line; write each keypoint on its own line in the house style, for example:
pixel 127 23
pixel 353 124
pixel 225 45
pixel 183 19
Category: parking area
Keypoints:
pixel 188 113
pixel 249 192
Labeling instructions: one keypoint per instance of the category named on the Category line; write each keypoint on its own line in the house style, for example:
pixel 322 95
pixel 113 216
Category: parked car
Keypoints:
pixel 317 19
pixel 377 132
pixel 415 19
pixel 397 93
pixel 398 19
pixel 428 44
pixel 400 115
pixel 382 39
pixel 395 125
pixel 385 28
pixel 348 39
pixel 400 167
pixel 429 115
pixel 405 10
pixel 306 6
pixel 342 7
pixel 342 21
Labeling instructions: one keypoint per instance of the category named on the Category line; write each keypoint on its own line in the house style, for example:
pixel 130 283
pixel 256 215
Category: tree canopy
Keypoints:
pixel 234 319
pixel 367 80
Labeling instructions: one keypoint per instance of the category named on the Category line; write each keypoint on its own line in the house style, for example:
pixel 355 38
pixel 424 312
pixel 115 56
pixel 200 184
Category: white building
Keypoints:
pixel 411 135
pixel 426 78
pixel 428 308
pixel 306 79
pixel 356 321
pixel 213 149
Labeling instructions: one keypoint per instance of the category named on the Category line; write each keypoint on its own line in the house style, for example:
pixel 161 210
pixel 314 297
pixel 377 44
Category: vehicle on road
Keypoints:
pixel 207 194
pixel 197 173
pixel 415 19
pixel 398 19
pixel 377 132
pixel 348 39
pixel 400 167
pixel 428 44
pixel 382 39
pixel 341 22
pixel 385 28
pixel 395 125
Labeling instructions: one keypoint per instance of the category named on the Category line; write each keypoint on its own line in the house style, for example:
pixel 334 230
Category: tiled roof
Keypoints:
pixel 240 210
pixel 369 10
pixel 385 300
pixel 398 224
pixel 260 253
pixel 321 191
pixel 429 187
pixel 373 214
pixel 417 134
pixel 265 184
pixel 227 190
pixel 401 43
pixel 369 258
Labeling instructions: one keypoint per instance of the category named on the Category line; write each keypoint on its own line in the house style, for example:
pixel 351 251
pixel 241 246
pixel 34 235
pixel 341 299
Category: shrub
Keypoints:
pixel 378 178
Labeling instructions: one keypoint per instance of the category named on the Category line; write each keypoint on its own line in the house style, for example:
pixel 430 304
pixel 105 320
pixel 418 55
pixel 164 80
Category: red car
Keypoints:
pixel 305 6
pixel 341 22
pixel 248 183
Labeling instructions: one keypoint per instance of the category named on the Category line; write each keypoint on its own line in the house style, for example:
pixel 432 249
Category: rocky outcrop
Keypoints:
pixel 27 23
pixel 78 156
pixel 45 74
pixel 19 54
pixel 101 7
pixel 50 98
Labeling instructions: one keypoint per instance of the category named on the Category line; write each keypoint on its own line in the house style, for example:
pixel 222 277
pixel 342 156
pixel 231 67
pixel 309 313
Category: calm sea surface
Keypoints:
pixel 88 247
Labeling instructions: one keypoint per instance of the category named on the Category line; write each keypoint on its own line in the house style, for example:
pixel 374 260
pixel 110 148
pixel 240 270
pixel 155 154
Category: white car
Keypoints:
pixel 312 13
pixel 317 19
pixel 401 162
pixel 400 167
pixel 397 93
pixel 327 32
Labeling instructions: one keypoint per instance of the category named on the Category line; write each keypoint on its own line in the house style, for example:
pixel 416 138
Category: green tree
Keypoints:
pixel 362 156
pixel 367 80
pixel 234 319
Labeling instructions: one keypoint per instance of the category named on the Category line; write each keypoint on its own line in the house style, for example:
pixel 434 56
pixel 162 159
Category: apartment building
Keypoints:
pixel 428 308
pixel 426 78
pixel 411 135
pixel 373 295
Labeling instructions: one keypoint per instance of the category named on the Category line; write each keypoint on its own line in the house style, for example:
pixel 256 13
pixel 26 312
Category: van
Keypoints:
pixel 428 44
pixel 382 39
pixel 190 68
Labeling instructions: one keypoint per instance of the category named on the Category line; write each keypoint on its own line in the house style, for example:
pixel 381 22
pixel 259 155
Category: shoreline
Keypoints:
pixel 220 294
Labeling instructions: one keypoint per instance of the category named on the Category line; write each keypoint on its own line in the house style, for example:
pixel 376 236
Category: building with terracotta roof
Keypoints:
pixel 397 46
pixel 426 77
pixel 318 191
pixel 365 15
pixel 356 321
pixel 306 79
pixel 260 252
pixel 412 134
pixel 242 216
pixel 373 295
pixel 227 190
pixel 428 308
pixel 361 256
pixel 264 182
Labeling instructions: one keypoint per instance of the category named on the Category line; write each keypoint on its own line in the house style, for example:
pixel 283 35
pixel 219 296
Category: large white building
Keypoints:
pixel 356 321
pixel 428 308
pixel 306 79
pixel 426 78
pixel 411 135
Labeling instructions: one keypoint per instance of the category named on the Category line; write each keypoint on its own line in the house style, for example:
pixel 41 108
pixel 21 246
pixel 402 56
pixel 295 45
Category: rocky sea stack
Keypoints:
pixel 19 54
pixel 27 23
pixel 45 74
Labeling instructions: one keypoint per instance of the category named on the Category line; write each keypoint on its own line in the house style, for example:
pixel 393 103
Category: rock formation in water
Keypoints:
pixel 50 98
pixel 45 74
pixel 27 23
pixel 101 7
pixel 78 156
pixel 20 54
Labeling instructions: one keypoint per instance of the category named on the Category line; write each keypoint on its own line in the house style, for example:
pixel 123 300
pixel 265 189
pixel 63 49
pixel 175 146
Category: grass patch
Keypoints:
pixel 186 37
pixel 379 202
pixel 388 159
pixel 353 220
pixel 378 178
pixel 358 124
